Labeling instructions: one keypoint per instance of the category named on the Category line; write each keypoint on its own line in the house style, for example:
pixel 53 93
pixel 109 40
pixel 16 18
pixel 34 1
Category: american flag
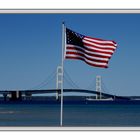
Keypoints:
pixel 93 51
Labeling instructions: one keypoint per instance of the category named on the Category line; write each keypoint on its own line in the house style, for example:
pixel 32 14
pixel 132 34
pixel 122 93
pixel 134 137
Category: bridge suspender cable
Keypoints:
pixel 69 80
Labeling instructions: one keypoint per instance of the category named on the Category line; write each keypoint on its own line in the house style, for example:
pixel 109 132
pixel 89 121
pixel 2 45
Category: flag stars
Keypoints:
pixel 74 38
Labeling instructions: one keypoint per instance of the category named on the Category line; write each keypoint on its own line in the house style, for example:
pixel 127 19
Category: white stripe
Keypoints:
pixel 101 46
pixel 96 53
pixel 92 57
pixel 94 48
pixel 100 41
pixel 92 62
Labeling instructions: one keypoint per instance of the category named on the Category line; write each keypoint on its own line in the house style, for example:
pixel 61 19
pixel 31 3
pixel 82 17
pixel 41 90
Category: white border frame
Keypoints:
pixel 69 11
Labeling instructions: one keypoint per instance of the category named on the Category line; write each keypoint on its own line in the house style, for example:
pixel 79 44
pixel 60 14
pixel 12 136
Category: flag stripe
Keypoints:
pixel 88 51
pixel 103 45
pixel 90 56
pixel 97 48
pixel 101 41
pixel 86 56
pixel 92 49
pixel 88 62
pixel 98 45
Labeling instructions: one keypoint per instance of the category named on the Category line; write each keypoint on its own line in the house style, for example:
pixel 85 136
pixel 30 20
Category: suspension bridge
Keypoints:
pixel 99 91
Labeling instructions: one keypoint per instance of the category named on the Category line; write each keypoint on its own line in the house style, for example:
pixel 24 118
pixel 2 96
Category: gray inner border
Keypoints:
pixel 69 11
pixel 63 128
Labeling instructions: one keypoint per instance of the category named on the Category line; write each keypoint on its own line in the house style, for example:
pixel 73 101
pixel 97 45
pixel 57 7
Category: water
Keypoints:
pixel 74 115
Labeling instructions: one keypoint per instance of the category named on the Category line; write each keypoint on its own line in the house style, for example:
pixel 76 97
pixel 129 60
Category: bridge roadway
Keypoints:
pixel 25 92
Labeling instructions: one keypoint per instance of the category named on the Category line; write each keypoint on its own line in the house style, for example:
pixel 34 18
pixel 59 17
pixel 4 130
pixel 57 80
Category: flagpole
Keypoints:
pixel 62 70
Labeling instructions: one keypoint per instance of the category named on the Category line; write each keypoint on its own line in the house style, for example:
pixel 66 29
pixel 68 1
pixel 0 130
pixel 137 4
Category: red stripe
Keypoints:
pixel 114 42
pixel 91 59
pixel 105 44
pixel 100 39
pixel 95 55
pixel 93 46
pixel 94 50
pixel 95 65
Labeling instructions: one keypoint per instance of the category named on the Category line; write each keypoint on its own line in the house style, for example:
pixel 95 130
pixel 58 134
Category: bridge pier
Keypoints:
pixel 5 97
pixel 28 96
pixel 58 95
pixel 15 96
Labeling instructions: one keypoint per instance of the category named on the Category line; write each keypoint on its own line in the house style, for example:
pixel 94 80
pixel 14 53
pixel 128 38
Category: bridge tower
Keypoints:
pixel 59 80
pixel 98 86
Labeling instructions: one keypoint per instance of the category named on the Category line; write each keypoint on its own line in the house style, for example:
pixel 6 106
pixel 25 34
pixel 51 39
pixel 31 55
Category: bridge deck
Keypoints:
pixel 59 91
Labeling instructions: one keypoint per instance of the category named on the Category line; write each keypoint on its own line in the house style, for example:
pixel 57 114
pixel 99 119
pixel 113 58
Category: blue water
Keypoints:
pixel 74 115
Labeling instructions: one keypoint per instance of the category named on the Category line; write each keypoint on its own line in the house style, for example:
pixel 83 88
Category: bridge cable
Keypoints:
pixel 69 82
pixel 105 89
pixel 67 77
pixel 91 85
pixel 46 81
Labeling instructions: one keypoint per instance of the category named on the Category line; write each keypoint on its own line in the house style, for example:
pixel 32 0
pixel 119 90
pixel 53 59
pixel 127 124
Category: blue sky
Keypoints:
pixel 30 50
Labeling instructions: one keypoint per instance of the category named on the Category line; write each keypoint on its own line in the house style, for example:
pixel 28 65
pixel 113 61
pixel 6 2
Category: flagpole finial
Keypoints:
pixel 63 22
